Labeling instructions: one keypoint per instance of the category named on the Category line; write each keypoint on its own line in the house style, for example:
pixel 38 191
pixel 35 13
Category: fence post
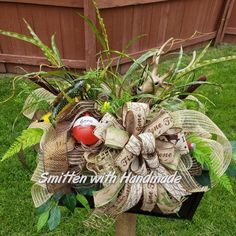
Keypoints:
pixel 2 65
pixel 224 21
pixel 126 225
pixel 90 38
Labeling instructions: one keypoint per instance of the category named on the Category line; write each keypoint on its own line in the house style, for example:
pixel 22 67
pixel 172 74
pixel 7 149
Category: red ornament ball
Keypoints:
pixel 189 145
pixel 83 130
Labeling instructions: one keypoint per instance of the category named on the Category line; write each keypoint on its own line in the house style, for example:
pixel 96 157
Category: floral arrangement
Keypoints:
pixel 101 122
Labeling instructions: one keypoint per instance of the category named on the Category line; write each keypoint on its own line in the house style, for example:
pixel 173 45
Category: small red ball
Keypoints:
pixel 189 145
pixel 84 134
pixel 83 130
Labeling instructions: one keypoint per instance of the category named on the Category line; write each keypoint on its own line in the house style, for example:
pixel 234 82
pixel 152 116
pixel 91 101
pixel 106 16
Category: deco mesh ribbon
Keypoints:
pixel 134 144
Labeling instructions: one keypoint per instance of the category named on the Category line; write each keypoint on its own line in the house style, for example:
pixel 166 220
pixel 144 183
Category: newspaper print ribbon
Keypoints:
pixel 138 148
pixel 150 147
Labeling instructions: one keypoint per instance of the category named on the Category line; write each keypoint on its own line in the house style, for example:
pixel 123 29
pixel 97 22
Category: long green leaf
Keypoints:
pixel 138 62
pixel 43 218
pixel 95 31
pixel 18 36
pixel 56 51
pixel 70 201
pixel 206 63
pixel 102 25
pixel 45 49
pixel 55 218
pixel 129 44
pixel 177 64
pixel 82 199
pixel 202 54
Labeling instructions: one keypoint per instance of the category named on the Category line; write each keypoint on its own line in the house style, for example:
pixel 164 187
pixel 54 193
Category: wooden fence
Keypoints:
pixel 229 34
pixel 124 19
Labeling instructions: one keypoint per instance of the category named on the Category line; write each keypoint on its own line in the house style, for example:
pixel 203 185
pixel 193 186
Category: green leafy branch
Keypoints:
pixel 52 55
pixel 50 213
pixel 202 154
pixel 28 138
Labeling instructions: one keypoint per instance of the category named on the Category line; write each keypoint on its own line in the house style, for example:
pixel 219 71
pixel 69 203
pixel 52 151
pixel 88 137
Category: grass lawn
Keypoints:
pixel 216 214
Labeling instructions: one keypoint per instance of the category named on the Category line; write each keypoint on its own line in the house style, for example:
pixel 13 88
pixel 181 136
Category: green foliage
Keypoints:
pixel 69 201
pixel 16 200
pixel 224 181
pixel 205 63
pixel 105 107
pixel 52 55
pixel 56 51
pixel 28 138
pixel 44 207
pixel 189 103
pixel 103 27
pixel 38 99
pixel 204 179
pixel 117 103
pixel 55 218
pixel 202 154
pixel 138 63
pixel 83 200
pixel 177 64
pixel 42 220
pixel 50 213
pixel 95 31
pixel 231 171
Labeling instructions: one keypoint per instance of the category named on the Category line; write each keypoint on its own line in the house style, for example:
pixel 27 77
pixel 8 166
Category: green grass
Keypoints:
pixel 216 214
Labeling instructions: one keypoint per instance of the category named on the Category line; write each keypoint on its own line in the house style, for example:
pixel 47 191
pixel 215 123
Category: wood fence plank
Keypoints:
pixel 64 3
pixel 228 15
pixel 124 19
pixel 90 38
pixel 122 3
pixel 36 60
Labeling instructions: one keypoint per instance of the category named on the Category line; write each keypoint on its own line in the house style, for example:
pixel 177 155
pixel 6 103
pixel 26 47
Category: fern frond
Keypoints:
pixel 202 154
pixel 224 181
pixel 28 138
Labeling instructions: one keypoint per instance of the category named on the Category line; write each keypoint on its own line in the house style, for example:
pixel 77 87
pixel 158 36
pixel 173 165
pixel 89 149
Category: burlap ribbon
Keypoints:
pixel 151 147
pixel 134 144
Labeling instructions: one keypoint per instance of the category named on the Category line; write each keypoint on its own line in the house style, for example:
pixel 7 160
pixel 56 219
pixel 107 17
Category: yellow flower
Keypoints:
pixel 88 87
pixel 105 107
pixel 46 117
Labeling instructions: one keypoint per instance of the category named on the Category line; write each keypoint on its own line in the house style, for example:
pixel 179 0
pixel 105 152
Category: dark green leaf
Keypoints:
pixel 43 208
pixel 231 171
pixel 82 199
pixel 55 218
pixel 58 196
pixel 43 218
pixel 69 201
pixel 204 179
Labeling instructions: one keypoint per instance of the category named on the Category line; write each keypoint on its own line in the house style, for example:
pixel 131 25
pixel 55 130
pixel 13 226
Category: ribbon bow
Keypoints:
pixel 145 148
